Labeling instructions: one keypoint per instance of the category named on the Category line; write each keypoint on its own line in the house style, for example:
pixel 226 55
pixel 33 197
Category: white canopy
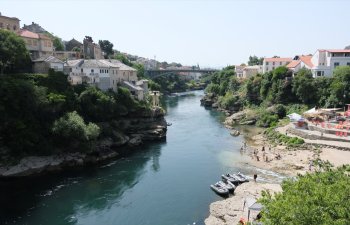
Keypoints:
pixel 294 117
pixel 310 111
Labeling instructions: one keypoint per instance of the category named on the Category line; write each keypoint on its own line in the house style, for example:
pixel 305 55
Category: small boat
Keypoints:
pixel 219 189
pixel 228 185
pixel 242 177
pixel 169 124
pixel 231 177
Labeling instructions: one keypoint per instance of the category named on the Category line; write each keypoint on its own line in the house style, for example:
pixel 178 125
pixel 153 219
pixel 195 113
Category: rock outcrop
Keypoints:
pixel 129 132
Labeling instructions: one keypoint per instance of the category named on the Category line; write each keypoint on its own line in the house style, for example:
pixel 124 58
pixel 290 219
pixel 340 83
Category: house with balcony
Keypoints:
pixel 326 60
pixel 270 64
pixel 239 71
pixel 38 45
pixel 105 74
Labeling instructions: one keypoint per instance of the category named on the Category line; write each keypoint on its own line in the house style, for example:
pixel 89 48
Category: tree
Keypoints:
pixel 317 198
pixel 140 70
pixel 57 44
pixel 12 50
pixel 340 86
pixel 303 86
pixel 72 128
pixel 106 47
pixel 254 60
pixel 347 47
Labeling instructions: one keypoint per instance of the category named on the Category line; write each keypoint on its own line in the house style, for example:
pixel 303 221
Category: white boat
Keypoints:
pixel 219 189
pixel 231 177
pixel 227 184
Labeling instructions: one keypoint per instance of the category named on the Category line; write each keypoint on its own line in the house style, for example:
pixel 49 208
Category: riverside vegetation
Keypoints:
pixel 264 100
pixel 43 115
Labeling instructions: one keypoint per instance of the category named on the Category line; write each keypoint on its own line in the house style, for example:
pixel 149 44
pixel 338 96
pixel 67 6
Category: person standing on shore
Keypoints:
pixel 255 177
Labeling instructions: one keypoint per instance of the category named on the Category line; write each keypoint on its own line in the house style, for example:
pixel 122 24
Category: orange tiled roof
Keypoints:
pixel 338 50
pixel 28 34
pixel 278 59
pixel 306 59
pixel 293 64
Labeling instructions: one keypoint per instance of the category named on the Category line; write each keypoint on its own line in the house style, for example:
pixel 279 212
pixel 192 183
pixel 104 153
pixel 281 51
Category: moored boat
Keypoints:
pixel 227 184
pixel 231 177
pixel 219 189
pixel 243 177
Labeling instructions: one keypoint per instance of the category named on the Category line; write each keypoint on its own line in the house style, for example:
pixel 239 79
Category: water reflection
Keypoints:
pixel 72 193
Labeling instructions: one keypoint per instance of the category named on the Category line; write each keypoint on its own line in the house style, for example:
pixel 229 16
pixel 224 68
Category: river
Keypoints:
pixel 164 183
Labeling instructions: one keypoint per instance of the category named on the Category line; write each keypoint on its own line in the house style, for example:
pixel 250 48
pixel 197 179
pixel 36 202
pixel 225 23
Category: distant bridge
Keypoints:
pixel 167 72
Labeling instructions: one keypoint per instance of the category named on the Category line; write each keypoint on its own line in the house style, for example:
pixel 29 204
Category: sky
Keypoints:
pixel 208 32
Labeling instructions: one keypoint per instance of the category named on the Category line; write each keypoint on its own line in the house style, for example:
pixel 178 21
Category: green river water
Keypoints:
pixel 165 183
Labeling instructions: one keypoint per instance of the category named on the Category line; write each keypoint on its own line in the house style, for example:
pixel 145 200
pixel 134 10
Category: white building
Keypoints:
pixel 326 60
pixel 302 61
pixel 43 64
pixel 270 64
pixel 105 74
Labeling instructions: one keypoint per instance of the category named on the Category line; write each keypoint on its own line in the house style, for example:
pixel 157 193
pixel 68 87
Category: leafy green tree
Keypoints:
pixel 140 70
pixel 57 44
pixel 317 198
pixel 122 58
pixel 72 128
pixel 254 60
pixel 12 50
pixel 106 47
pixel 95 105
pixel 303 87
pixel 340 86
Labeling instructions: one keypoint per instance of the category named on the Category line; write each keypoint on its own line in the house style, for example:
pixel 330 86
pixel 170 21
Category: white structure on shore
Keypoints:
pixel 105 74
pixel 270 64
pixel 302 61
pixel 326 60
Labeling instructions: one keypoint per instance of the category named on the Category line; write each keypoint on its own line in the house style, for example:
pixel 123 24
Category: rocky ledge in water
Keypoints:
pixel 150 126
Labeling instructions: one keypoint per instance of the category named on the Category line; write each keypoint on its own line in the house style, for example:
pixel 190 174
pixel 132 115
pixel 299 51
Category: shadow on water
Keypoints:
pixel 39 200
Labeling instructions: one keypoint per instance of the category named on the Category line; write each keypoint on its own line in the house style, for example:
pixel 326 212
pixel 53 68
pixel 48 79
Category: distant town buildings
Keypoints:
pixel 105 74
pixel 9 23
pixel 302 61
pixel 250 71
pixel 239 71
pixel 34 27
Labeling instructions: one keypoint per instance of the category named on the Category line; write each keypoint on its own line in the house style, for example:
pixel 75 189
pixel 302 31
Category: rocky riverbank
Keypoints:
pixel 134 131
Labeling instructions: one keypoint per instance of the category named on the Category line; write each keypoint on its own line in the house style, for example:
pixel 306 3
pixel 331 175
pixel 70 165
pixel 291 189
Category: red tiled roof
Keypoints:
pixel 278 59
pixel 28 34
pixel 306 59
pixel 293 64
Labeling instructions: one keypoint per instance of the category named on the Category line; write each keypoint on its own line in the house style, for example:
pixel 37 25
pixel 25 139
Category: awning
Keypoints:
pixel 294 117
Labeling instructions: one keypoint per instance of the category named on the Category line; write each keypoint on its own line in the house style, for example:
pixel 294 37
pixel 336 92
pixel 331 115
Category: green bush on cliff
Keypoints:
pixel 277 137
pixel 73 128
pixel 227 101
pixel 317 198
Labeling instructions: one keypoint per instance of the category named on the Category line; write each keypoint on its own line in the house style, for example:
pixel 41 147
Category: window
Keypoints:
pixel 14 27
pixel 280 63
pixel 70 69
pixel 81 69
pixel 273 68
pixel 1 25
pixel 273 63
pixel 320 73
pixel 348 64
pixel 35 42
pixel 92 70
pixel 336 64
pixel 267 63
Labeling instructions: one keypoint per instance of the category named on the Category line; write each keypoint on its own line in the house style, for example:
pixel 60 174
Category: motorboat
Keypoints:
pixel 219 189
pixel 169 124
pixel 227 184
pixel 243 177
pixel 231 177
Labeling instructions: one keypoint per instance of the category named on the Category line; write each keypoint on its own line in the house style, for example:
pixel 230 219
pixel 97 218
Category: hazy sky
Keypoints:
pixel 211 33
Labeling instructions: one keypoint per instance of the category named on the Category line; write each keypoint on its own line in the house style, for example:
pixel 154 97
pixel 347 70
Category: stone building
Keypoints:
pixel 73 44
pixel 38 45
pixel 9 23
pixel 43 64
pixel 90 49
